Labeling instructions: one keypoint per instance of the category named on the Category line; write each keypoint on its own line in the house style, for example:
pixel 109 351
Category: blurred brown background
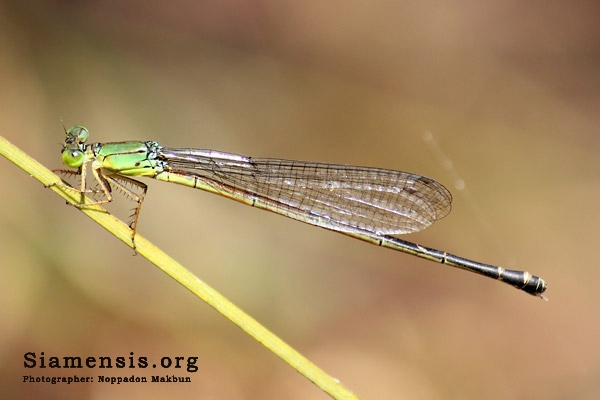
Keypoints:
pixel 509 89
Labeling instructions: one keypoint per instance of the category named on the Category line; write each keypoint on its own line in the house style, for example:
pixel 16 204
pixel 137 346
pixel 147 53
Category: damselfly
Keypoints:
pixel 369 204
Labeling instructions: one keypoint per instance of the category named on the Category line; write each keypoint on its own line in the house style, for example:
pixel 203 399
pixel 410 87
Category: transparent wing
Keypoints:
pixel 344 197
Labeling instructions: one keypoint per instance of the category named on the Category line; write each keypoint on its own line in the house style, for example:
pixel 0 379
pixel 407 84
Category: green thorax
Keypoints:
pixel 128 158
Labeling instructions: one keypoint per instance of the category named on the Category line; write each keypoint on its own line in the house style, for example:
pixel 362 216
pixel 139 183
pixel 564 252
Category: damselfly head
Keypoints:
pixel 73 152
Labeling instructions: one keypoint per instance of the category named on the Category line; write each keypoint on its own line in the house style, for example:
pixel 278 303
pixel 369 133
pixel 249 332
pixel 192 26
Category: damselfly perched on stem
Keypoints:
pixel 369 204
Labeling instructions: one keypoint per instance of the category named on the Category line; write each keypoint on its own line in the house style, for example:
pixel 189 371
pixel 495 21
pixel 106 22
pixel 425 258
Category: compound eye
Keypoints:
pixel 72 158
pixel 80 133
